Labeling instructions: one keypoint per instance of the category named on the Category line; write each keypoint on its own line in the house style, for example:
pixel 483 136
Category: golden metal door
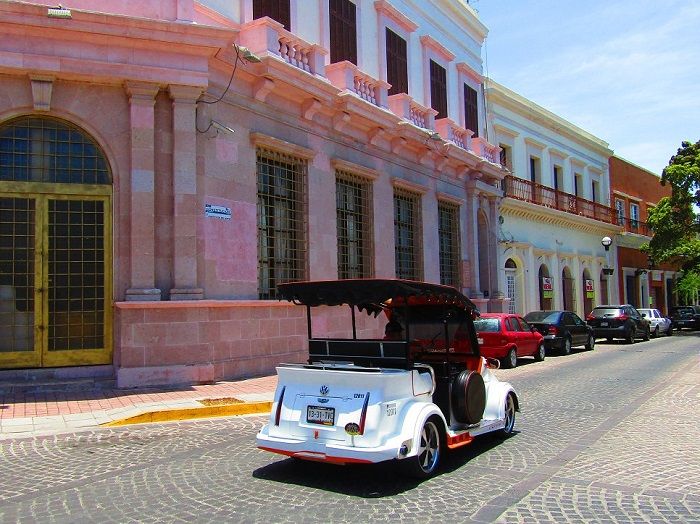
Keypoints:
pixel 55 246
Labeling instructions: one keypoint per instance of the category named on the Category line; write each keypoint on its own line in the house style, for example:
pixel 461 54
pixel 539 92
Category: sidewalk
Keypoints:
pixel 44 413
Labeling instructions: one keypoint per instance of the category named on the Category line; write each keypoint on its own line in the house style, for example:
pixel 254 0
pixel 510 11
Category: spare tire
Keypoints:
pixel 468 397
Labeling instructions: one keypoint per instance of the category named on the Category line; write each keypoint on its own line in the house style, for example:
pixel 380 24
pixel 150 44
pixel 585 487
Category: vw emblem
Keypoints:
pixel 324 390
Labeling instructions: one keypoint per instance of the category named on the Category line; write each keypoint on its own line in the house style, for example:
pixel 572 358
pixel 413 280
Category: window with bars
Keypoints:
pixel 408 235
pixel 343 31
pixel 39 149
pixel 278 10
pixel 471 109
pixel 438 89
pixel 448 239
pixel 281 220
pixel 396 63
pixel 354 224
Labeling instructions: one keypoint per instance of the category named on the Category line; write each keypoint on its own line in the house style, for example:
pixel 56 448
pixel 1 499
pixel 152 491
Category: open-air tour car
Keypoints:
pixel 408 396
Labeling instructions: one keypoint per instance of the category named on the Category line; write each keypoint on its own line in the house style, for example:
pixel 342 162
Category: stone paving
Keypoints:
pixel 611 435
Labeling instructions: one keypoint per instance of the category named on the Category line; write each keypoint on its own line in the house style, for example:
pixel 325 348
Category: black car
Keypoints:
pixel 562 330
pixel 687 317
pixel 619 321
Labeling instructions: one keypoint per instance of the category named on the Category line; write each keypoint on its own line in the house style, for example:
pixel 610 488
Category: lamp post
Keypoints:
pixel 607 242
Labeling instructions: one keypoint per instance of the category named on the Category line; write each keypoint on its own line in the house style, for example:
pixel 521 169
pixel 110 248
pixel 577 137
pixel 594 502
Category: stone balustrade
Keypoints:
pixel 450 131
pixel 485 150
pixel 403 105
pixel 347 76
pixel 265 37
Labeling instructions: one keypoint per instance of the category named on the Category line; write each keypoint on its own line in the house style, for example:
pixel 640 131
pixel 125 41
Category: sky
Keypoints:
pixel 626 71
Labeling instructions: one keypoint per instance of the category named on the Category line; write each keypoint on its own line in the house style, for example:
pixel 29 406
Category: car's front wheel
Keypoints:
pixel 590 345
pixel 509 418
pixel 425 462
pixel 540 353
pixel 511 359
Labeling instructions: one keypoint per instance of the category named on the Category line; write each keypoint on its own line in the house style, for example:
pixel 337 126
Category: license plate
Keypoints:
pixel 603 324
pixel 480 341
pixel 320 415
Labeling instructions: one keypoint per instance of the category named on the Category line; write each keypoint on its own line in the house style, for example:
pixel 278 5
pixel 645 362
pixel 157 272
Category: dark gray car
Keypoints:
pixel 562 330
pixel 619 321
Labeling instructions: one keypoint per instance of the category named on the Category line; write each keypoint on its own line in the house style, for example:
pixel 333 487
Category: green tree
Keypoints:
pixel 674 219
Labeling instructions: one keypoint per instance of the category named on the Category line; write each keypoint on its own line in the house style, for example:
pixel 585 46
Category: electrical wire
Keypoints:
pixel 230 80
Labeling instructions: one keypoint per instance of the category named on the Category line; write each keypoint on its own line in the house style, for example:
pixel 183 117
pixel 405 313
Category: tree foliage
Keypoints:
pixel 674 219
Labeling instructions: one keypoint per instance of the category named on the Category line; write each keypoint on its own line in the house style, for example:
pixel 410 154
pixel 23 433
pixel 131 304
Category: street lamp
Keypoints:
pixel 607 241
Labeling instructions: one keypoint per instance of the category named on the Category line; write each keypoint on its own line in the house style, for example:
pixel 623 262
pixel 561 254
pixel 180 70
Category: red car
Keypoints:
pixel 507 337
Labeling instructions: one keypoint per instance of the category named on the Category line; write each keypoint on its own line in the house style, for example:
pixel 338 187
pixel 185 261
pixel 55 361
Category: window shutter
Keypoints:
pixel 471 110
pixel 438 89
pixel 343 31
pixel 396 63
pixel 278 10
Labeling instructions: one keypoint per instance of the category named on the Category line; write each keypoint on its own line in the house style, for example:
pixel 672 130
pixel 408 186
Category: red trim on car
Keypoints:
pixel 317 457
pixel 459 440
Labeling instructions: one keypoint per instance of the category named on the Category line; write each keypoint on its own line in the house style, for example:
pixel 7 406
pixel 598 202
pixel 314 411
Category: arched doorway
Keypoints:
pixel 588 292
pixel 512 292
pixel 568 290
pixel 55 245
pixel 546 288
pixel 483 241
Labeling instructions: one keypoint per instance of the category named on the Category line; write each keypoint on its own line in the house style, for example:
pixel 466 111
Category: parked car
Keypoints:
pixel 506 337
pixel 619 321
pixel 562 330
pixel 659 323
pixel 407 398
pixel 685 317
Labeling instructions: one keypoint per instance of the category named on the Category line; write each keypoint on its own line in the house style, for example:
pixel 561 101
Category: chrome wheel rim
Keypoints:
pixel 513 358
pixel 509 414
pixel 567 346
pixel 541 351
pixel 429 448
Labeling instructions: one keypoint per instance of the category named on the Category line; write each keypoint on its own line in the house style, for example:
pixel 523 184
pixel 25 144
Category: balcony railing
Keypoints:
pixel 451 132
pixel 346 75
pixel 485 150
pixel 265 37
pixel 634 226
pixel 404 106
pixel 528 191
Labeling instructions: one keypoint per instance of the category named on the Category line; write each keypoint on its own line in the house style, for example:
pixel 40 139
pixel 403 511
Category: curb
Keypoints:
pixel 170 415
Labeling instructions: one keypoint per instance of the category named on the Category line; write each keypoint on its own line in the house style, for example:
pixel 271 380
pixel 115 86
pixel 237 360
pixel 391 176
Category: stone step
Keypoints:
pixel 29 381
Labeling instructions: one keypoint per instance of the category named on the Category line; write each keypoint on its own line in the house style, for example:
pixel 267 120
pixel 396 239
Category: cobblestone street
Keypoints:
pixel 611 435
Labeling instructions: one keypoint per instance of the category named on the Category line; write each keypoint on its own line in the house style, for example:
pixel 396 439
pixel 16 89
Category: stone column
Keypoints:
pixel 471 226
pixel 532 285
pixel 142 174
pixel 497 302
pixel 185 210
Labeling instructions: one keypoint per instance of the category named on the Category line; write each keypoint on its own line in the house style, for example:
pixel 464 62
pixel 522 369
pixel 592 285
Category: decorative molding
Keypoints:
pixel 310 107
pixel 541 214
pixel 467 71
pixel 261 140
pixel 383 7
pixel 262 87
pixel 450 199
pixel 429 42
pixel 410 186
pixel 42 88
pixel 341 120
pixel 356 169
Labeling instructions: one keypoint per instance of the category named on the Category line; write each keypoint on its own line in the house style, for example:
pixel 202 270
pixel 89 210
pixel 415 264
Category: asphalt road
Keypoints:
pixel 611 435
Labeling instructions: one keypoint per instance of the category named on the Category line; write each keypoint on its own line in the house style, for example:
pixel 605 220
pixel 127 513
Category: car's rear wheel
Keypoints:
pixel 509 416
pixel 540 353
pixel 425 462
pixel 566 346
pixel 629 337
pixel 647 334
pixel 670 330
pixel 511 359
pixel 590 345
pixel 655 334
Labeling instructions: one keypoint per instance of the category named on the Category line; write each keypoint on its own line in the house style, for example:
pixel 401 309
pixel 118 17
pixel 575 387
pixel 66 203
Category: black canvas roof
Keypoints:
pixel 368 294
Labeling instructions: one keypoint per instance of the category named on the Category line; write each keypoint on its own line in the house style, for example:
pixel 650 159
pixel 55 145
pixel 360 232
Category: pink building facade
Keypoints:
pixel 156 184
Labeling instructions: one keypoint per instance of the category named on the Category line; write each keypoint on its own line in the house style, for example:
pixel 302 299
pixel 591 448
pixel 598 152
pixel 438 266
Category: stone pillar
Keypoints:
pixel 497 298
pixel 431 243
pixel 142 191
pixel 472 246
pixel 532 285
pixel 185 210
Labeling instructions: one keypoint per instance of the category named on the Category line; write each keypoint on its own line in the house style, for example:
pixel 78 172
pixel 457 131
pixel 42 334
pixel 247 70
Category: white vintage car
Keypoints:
pixel 406 397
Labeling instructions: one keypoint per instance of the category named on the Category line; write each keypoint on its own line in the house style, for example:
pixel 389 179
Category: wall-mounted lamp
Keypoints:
pixel 246 54
pixel 640 272
pixel 650 263
pixel 221 127
pixel 607 242
pixel 58 12
pixel 608 271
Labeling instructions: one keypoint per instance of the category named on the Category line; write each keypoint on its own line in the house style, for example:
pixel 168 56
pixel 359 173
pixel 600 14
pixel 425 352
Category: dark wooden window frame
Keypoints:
pixel 438 88
pixel 343 30
pixel 471 109
pixel 396 62
pixel 278 10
